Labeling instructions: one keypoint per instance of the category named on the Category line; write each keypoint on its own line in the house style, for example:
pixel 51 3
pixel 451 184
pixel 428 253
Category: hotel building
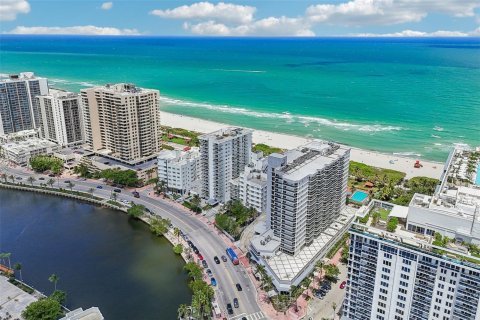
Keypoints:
pixel 179 170
pixel 306 211
pixel 61 117
pixel 122 121
pixel 402 275
pixel 223 155
pixel 18 107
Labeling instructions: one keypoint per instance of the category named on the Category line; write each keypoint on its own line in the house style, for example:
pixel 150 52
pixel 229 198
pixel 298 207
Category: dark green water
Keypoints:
pixel 102 258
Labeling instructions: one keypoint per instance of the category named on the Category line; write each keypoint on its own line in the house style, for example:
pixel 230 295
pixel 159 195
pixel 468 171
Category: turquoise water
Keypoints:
pixel 477 179
pixel 359 196
pixel 412 97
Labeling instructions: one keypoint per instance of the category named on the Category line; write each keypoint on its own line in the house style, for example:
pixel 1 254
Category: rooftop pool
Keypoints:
pixel 359 196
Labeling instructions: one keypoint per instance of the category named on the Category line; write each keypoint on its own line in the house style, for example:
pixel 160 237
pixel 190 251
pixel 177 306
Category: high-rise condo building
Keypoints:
pixel 223 155
pixel 306 211
pixel 61 117
pixel 401 275
pixel 306 192
pixel 122 121
pixel 18 106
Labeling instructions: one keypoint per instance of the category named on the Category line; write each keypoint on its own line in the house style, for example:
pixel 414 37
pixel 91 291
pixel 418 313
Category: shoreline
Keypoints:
pixel 404 164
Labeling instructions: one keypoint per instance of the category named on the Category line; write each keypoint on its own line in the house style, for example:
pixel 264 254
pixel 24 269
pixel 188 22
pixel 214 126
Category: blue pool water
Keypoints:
pixel 359 196
pixel 477 179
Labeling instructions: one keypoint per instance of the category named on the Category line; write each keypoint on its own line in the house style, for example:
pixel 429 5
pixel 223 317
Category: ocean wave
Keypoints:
pixel 63 81
pixel 437 128
pixel 240 70
pixel 286 116
pixel 407 154
pixel 435 136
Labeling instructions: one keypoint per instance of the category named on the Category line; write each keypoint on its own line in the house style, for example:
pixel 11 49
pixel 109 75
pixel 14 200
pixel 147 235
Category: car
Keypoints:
pixel 99 187
pixel 224 259
pixel 66 181
pixel 195 249
pixel 239 287
pixel 204 264
pixel 19 178
pixel 235 302
pixel 51 175
pixel 117 190
pixel 213 282
pixel 229 309
pixel 200 257
pixel 190 244
pixel 136 194
pixel 217 261
pixel 209 273
pixel 343 284
pixel 41 178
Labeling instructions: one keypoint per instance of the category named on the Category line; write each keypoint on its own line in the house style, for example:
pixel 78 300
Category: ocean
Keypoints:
pixel 412 97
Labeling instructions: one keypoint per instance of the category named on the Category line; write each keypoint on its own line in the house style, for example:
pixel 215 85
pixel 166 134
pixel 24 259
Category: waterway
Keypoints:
pixel 102 257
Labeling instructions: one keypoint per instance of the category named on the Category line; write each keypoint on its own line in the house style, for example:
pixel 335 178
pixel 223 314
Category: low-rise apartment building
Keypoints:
pixel 179 170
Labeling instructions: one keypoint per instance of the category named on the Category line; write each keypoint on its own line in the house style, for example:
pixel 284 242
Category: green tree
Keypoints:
pixel 195 203
pixel 42 163
pixel 178 249
pixel 54 279
pixel 12 177
pixel 59 295
pixel 6 256
pixel 159 226
pixel 91 191
pixel 82 171
pixel 331 271
pixel 183 311
pixel 113 196
pixel 18 267
pixel 136 211
pixel 125 177
pixel 176 232
pixel 334 307
pixel 194 270
pixel 70 184
pixel 4 177
pixel 392 224
pixel 43 309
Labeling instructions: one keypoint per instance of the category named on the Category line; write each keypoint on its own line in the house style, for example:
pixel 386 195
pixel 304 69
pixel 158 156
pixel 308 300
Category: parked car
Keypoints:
pixel 195 249
pixel 117 190
pixel 136 194
pixel 343 284
pixel 19 178
pixel 239 287
pixel 190 244
pixel 51 175
pixel 204 264
pixel 224 259
pixel 200 257
pixel 213 282
pixel 66 181
pixel 41 178
pixel 235 302
pixel 229 309
pixel 99 187
pixel 209 273
pixel 217 261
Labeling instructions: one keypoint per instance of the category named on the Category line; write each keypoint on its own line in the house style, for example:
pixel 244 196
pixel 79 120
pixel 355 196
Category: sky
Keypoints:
pixel 392 18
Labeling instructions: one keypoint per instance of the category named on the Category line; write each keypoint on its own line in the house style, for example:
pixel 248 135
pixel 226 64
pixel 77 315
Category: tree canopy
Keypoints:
pixel 136 210
pixel 43 309
pixel 126 177
pixel 42 163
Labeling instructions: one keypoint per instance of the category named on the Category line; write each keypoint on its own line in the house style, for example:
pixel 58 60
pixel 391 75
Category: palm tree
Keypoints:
pixel 50 182
pixel 334 307
pixel 31 180
pixel 319 268
pixel 18 266
pixel 183 311
pixel 114 196
pixel 176 232
pixel 12 177
pixel 54 278
pixel 6 255
pixel 71 185
pixel 4 177
pixel 91 190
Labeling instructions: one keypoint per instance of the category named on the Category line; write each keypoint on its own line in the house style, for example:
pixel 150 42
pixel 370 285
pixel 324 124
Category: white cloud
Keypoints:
pixel 221 11
pixel 76 30
pixel 412 33
pixel 10 8
pixel 271 26
pixel 387 12
pixel 107 5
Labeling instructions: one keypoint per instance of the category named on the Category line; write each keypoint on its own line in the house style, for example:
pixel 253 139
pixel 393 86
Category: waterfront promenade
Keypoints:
pixel 209 240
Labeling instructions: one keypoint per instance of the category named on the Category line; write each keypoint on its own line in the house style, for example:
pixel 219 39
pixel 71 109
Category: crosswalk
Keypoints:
pixel 253 316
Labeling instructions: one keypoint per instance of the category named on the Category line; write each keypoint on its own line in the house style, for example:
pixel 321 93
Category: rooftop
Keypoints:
pixel 225 134
pixel 122 89
pixel 21 146
pixel 122 165
pixel 18 77
pixel 61 94
pixel 92 313
pixel 310 158
pixel 178 155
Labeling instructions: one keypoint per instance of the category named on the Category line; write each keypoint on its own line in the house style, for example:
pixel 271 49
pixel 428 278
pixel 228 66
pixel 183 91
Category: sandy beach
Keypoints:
pixel 284 141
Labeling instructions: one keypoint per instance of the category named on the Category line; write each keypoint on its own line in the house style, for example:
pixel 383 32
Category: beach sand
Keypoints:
pixel 284 141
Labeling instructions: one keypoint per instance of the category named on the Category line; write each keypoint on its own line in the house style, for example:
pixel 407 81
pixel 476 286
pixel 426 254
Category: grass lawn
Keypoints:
pixel 383 213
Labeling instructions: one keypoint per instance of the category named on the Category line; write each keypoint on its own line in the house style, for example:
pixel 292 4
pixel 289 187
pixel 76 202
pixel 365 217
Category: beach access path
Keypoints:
pixel 377 159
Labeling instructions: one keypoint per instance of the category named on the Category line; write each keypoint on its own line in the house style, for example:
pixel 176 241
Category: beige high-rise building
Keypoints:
pixel 122 121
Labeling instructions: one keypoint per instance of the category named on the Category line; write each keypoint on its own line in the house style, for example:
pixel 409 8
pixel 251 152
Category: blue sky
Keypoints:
pixel 243 18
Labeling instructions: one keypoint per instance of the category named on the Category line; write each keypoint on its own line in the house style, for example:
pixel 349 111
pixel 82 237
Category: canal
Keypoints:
pixel 102 257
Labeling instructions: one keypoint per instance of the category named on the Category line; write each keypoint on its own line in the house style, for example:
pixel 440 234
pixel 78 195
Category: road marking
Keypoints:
pixel 253 316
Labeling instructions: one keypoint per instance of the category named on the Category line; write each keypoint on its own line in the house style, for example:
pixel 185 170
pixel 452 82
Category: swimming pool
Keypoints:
pixel 477 179
pixel 359 196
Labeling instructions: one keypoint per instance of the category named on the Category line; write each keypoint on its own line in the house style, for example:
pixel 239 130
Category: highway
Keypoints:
pixel 205 237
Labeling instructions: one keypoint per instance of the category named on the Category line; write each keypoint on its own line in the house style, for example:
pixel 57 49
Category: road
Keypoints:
pixel 203 236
